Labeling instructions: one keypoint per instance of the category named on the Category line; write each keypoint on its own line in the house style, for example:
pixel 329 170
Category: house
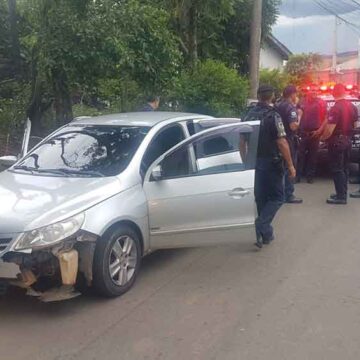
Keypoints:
pixel 273 54
pixel 347 69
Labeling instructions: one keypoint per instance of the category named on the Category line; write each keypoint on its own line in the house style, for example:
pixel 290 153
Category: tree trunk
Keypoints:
pixel 38 105
pixel 14 37
pixel 193 34
pixel 62 101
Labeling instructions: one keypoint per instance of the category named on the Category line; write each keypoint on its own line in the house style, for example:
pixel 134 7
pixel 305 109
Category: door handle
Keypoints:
pixel 239 193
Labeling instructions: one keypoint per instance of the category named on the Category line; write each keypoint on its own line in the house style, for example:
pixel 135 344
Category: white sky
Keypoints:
pixel 304 27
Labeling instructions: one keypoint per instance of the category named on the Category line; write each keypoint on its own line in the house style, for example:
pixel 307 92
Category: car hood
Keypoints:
pixel 29 202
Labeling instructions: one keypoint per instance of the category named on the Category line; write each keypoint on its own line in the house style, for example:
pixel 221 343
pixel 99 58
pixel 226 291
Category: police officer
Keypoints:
pixel 273 149
pixel 338 131
pixel 153 103
pixel 313 116
pixel 289 115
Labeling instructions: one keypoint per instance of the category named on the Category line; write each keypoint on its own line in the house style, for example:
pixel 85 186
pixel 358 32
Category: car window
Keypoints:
pixel 214 154
pixel 86 150
pixel 162 142
pixel 220 153
pixel 191 127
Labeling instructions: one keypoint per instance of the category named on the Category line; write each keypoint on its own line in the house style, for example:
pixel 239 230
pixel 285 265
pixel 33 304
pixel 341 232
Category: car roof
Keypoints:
pixel 148 119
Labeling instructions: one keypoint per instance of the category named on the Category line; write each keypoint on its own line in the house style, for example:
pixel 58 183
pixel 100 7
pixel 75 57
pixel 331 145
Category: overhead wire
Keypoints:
pixel 349 11
pixel 355 2
pixel 353 26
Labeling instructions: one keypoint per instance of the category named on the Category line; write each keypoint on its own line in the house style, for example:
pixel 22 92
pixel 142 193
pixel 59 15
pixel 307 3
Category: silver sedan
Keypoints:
pixel 87 203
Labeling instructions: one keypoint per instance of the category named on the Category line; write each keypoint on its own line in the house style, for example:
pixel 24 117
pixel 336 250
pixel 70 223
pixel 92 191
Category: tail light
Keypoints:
pixel 349 87
pixel 323 88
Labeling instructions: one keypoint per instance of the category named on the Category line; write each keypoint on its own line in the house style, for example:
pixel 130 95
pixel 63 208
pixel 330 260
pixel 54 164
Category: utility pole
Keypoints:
pixel 255 44
pixel 334 57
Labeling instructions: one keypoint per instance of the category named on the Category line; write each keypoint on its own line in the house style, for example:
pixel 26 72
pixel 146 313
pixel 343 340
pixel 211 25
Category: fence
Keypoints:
pixel 10 143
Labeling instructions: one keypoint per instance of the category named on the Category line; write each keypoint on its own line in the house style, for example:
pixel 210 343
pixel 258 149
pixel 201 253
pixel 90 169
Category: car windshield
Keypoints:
pixel 83 150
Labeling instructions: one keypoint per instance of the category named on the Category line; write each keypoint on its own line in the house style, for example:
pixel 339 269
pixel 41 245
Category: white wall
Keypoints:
pixel 270 58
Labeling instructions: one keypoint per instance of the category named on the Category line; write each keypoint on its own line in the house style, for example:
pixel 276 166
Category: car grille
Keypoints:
pixel 4 242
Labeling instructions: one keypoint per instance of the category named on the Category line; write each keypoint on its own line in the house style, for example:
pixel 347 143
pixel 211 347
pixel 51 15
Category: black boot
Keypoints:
pixel 336 201
pixel 355 195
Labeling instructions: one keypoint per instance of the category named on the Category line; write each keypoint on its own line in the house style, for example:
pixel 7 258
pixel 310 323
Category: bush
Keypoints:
pixel 212 89
pixel 279 80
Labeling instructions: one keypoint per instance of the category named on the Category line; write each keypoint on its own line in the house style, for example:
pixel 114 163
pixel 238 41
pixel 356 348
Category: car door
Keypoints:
pixel 210 202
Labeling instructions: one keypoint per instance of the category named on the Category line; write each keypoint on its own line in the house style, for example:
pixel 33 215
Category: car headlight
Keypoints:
pixel 51 234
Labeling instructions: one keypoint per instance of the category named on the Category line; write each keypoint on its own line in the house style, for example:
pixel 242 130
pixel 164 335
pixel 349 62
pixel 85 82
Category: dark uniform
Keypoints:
pixel 269 173
pixel 147 108
pixel 312 119
pixel 289 115
pixel 344 115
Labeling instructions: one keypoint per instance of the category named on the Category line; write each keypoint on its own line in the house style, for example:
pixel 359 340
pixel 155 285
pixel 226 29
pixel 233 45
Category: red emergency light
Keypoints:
pixel 349 87
pixel 323 88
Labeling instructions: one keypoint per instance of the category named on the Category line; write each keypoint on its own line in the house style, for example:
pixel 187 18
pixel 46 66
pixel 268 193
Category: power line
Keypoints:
pixel 355 2
pixel 355 27
pixel 342 6
pixel 348 11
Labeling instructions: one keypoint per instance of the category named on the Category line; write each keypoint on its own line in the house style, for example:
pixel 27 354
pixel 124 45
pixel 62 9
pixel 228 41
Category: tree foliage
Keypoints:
pixel 212 88
pixel 106 55
pixel 300 67
pixel 277 79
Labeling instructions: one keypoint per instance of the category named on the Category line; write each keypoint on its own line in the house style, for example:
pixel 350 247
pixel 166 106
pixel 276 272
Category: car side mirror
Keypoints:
pixel 7 161
pixel 156 173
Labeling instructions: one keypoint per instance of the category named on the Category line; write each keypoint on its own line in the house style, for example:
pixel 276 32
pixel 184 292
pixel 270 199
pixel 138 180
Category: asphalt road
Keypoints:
pixel 297 299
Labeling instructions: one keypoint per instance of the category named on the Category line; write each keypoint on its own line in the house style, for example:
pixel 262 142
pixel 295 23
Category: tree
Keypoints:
pixel 300 67
pixel 276 78
pixel 75 43
pixel 14 36
pixel 197 24
pixel 235 49
pixel 211 88
pixel 107 54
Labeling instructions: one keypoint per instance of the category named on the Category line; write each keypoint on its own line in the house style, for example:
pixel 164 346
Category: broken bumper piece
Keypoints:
pixel 52 274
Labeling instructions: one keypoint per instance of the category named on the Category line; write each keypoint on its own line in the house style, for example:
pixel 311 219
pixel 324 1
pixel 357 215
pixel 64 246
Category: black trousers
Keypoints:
pixel 307 157
pixel 269 195
pixel 289 183
pixel 339 160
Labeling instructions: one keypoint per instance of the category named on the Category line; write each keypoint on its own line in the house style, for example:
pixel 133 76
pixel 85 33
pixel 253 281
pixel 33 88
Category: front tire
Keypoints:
pixel 116 261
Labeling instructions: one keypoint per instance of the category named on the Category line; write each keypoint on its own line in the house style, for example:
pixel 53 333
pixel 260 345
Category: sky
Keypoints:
pixel 303 26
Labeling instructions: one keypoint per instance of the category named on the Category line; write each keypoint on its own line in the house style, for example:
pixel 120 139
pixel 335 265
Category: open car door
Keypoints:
pixel 201 192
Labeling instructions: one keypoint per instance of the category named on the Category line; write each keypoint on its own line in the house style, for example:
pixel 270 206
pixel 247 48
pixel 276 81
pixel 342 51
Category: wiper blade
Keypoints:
pixel 40 171
pixel 66 172
pixel 25 168
pixel 79 172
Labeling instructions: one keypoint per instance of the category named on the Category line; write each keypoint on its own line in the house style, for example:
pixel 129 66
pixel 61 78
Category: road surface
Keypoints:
pixel 297 299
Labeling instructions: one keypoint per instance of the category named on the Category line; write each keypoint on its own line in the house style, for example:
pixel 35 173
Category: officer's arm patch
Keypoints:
pixel 280 127
pixel 294 115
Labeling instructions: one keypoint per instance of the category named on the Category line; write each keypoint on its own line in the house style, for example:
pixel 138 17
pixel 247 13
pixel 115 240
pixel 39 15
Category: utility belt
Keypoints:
pixel 294 142
pixel 340 141
pixel 307 132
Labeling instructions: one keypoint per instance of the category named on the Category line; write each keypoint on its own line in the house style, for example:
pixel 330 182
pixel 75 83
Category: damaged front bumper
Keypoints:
pixel 52 274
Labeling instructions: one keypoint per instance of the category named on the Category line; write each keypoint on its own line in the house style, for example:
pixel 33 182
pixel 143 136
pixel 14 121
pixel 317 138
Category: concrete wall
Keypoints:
pixel 270 58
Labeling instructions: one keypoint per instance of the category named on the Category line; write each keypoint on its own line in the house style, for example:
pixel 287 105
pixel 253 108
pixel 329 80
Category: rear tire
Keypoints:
pixel 117 261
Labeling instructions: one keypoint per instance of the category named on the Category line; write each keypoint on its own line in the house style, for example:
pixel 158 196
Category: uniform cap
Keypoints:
pixel 289 90
pixel 265 89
